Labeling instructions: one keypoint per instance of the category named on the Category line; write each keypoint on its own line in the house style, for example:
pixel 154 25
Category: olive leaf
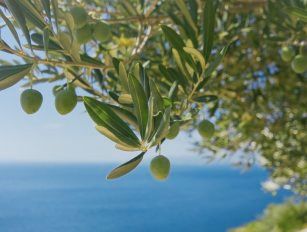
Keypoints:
pixel 126 167
pixel 194 52
pixel 150 122
pixel 216 62
pixel 140 103
pixel 185 11
pixel 204 98
pixel 126 147
pixel 19 16
pixel 32 14
pixel 125 115
pixel 123 77
pixel 104 131
pixel 41 40
pixel 158 100
pixel 11 74
pixel 162 128
pixel 11 27
pixel 175 40
pixel 208 30
pixel 103 115
pixel 297 12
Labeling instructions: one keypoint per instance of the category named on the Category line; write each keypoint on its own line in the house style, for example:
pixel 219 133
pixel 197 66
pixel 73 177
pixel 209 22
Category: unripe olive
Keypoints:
pixel 84 34
pixel 160 167
pixel 102 31
pixel 31 100
pixel 299 64
pixel 80 17
pixel 173 131
pixel 206 128
pixel 287 53
pixel 65 101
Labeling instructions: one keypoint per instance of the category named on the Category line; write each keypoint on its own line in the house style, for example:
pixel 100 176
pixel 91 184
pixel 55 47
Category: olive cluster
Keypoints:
pixel 298 61
pixel 85 30
pixel 65 100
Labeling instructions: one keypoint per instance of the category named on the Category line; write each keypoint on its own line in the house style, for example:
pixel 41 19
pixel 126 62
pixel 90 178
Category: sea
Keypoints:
pixel 78 198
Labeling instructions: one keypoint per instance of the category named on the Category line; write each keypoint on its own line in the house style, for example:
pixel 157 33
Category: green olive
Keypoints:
pixel 173 131
pixel 102 31
pixel 287 53
pixel 65 101
pixel 80 17
pixel 299 64
pixel 31 100
pixel 84 34
pixel 160 167
pixel 206 129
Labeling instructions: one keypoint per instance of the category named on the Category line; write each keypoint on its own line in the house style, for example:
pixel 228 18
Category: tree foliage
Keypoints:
pixel 286 217
pixel 146 69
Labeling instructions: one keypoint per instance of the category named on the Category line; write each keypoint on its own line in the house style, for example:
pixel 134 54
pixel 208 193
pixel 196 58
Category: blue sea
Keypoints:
pixel 77 198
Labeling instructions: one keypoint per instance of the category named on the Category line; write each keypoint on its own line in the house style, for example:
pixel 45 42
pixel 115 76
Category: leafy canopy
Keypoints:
pixel 147 69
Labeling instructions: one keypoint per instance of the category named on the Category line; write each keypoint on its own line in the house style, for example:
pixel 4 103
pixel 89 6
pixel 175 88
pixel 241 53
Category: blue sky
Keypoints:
pixel 49 137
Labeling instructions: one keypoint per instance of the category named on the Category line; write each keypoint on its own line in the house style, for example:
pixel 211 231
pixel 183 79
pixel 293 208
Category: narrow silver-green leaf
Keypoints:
pixel 46 40
pixel 150 122
pixel 126 167
pixel 103 115
pixel 11 27
pixel 197 54
pixel 162 130
pixel 126 147
pixel 139 102
pixel 216 62
pixel 204 98
pixel 208 30
pixel 33 14
pixel 19 16
pixel 123 77
pixel 10 75
pixel 125 115
pixel 158 100
pixel 172 36
pixel 298 12
pixel 104 131
pixel 183 8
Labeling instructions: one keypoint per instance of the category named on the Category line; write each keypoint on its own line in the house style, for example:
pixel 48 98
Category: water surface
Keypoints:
pixel 77 198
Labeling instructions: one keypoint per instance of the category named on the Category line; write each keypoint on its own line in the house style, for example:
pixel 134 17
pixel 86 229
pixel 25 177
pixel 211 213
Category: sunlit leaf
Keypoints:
pixel 10 75
pixel 19 16
pixel 11 27
pixel 208 30
pixel 126 167
pixel 104 116
pixel 140 103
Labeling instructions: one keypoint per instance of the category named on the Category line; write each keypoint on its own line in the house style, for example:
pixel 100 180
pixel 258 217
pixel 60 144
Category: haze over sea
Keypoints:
pixel 77 198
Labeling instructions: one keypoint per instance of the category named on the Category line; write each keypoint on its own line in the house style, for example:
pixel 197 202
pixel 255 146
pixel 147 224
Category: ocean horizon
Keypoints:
pixel 78 198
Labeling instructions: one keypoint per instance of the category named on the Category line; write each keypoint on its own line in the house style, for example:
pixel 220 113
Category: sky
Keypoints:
pixel 49 137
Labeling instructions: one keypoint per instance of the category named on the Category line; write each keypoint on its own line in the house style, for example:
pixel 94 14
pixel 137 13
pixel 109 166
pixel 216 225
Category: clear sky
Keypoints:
pixel 49 137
